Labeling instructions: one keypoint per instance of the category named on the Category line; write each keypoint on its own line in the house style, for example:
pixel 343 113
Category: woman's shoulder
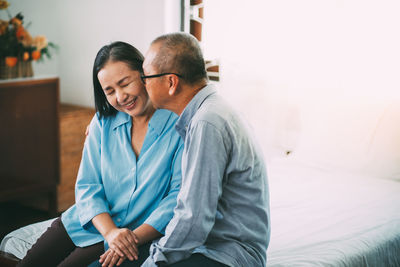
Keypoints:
pixel 163 121
pixel 167 113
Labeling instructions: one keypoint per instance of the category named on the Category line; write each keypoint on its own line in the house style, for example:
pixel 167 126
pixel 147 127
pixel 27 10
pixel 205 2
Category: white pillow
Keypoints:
pixel 356 136
pixel 384 150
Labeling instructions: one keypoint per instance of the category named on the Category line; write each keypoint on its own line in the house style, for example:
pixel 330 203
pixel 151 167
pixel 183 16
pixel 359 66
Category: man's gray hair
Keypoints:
pixel 180 53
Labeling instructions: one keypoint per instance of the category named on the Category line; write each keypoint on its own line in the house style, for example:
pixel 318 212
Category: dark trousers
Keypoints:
pixel 195 260
pixel 55 248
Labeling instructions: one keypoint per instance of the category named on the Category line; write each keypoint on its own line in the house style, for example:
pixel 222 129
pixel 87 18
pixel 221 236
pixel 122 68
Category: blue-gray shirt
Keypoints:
pixel 223 206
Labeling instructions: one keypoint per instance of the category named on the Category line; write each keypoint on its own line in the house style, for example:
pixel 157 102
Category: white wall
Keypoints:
pixel 279 58
pixel 80 28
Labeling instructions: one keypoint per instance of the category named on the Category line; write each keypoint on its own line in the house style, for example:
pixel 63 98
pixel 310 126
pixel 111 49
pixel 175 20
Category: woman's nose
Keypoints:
pixel 121 96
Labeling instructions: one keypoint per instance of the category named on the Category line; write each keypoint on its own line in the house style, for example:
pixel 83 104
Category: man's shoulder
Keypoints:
pixel 214 110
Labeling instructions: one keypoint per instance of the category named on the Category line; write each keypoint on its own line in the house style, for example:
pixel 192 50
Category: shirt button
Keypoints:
pixel 118 220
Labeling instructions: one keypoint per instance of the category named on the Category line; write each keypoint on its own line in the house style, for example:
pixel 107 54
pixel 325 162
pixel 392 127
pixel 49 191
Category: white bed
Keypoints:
pixel 335 201
pixel 322 217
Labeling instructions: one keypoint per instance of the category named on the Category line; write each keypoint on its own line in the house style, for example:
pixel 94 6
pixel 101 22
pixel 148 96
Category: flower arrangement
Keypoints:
pixel 17 45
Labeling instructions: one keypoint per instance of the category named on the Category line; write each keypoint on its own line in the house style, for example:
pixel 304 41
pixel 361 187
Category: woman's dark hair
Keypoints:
pixel 115 52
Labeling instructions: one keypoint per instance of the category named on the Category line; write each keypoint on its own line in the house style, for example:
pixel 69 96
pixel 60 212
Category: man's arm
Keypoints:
pixel 203 165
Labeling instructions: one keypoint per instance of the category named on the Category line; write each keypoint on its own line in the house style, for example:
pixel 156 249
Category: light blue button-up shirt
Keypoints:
pixel 132 190
pixel 223 205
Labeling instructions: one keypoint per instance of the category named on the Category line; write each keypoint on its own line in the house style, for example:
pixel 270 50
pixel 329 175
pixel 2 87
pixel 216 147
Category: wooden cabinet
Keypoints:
pixel 73 122
pixel 41 144
pixel 29 139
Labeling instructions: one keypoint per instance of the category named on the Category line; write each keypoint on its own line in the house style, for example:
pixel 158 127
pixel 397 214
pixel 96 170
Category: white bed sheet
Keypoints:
pixel 318 218
pixel 332 218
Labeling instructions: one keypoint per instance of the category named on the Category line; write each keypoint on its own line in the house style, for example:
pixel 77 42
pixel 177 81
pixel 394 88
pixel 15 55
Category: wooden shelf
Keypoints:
pixel 73 122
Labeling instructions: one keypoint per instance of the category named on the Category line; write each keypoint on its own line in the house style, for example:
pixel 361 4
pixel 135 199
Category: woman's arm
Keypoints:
pixel 91 201
pixel 161 216
pixel 89 191
pixel 146 233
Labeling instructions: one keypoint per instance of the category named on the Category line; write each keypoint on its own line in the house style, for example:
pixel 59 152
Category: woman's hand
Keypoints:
pixel 87 130
pixel 111 258
pixel 123 242
pixel 141 235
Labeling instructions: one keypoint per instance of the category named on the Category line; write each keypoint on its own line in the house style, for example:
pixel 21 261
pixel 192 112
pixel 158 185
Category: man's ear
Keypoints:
pixel 173 82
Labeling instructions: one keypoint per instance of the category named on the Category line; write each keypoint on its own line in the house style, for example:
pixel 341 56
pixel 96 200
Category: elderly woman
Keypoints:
pixel 129 175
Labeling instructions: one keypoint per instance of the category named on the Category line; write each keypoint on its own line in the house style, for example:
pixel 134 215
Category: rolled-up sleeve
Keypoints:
pixel 89 191
pixel 161 216
pixel 203 165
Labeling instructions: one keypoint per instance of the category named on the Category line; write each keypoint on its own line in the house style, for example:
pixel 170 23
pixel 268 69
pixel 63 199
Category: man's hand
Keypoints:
pixel 123 242
pixel 110 258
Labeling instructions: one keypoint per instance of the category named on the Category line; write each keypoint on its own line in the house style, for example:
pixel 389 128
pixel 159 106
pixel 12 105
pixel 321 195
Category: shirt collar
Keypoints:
pixel 156 123
pixel 192 107
pixel 120 119
pixel 159 120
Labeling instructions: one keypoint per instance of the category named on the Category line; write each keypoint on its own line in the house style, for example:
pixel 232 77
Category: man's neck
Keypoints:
pixel 186 95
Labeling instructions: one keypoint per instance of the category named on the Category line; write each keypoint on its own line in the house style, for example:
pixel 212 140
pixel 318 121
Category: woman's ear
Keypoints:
pixel 173 81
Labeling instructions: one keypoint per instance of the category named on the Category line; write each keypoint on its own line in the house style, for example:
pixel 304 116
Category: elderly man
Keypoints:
pixel 222 213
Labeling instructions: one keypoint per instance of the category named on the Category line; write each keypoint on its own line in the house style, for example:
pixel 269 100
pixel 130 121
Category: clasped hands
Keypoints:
pixel 123 243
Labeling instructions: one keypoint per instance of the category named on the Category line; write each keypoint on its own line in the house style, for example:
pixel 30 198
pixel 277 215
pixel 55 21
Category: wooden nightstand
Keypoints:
pixel 29 157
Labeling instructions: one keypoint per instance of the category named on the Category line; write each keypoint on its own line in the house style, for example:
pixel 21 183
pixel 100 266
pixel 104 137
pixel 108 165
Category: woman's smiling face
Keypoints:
pixel 123 88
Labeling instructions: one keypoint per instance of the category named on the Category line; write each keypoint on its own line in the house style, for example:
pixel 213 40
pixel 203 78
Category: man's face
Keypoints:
pixel 156 87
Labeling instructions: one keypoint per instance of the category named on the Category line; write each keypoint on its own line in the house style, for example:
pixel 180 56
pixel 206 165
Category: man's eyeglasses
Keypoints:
pixel 143 77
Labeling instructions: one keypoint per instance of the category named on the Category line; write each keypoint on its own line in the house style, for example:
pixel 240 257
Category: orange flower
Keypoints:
pixel 26 39
pixel 36 55
pixel 23 36
pixel 20 33
pixel 11 61
pixel 17 22
pixel 4 4
pixel 40 42
pixel 25 56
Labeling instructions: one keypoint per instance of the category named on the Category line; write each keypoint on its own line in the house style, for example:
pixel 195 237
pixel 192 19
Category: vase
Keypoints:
pixel 21 70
